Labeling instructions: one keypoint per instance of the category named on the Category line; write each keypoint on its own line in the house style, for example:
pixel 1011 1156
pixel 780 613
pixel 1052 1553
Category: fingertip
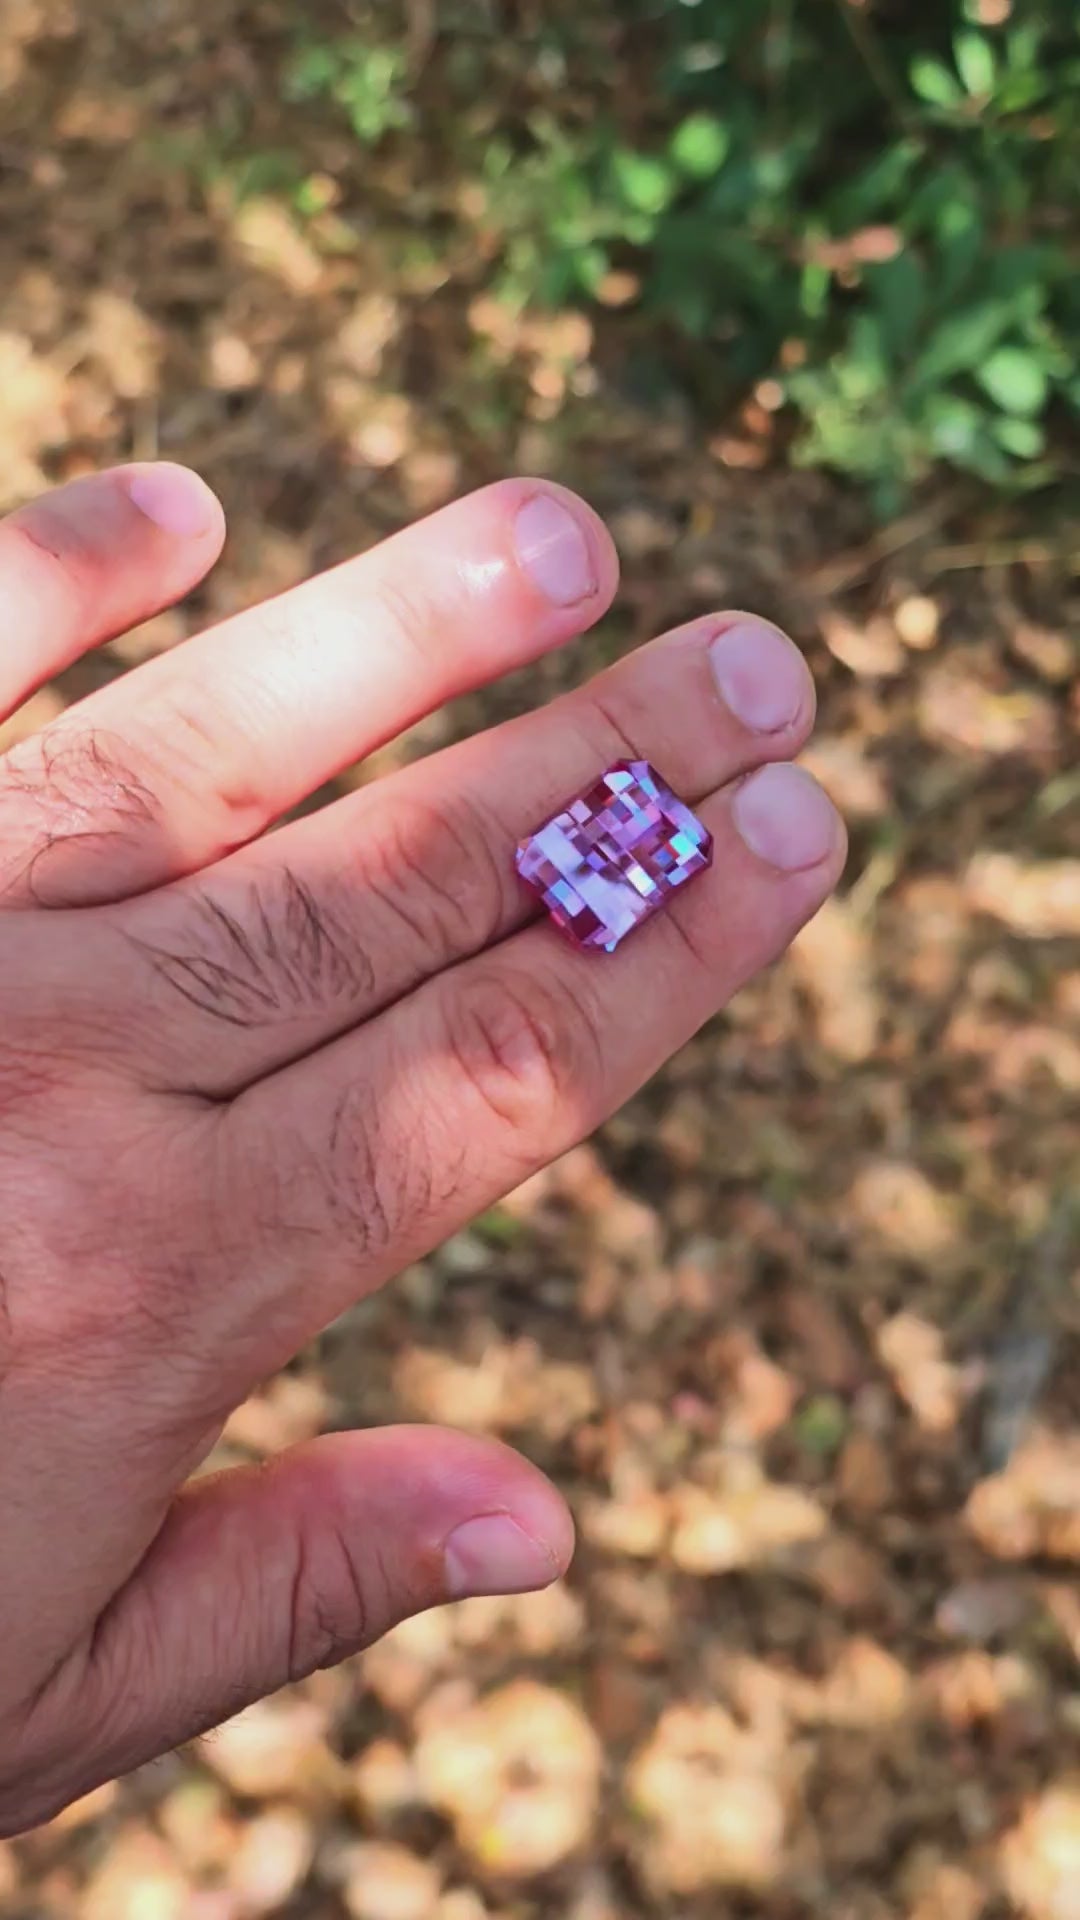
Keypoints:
pixel 541 1510
pixel 512 1532
pixel 787 820
pixel 445 1482
pixel 564 548
pixel 762 676
pixel 175 500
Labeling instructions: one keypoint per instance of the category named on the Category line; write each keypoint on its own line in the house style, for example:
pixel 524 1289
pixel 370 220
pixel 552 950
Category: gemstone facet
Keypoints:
pixel 614 856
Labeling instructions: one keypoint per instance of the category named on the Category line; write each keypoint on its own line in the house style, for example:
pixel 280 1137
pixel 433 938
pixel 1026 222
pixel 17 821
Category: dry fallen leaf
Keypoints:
pixel 914 1353
pixel 1040 899
pixel 518 1773
pixel 271 1858
pixel 278 1746
pixel 832 958
pixel 137 1879
pixel 1033 1506
pixel 896 1201
pixel 384 1881
pixel 1040 1857
pixel 745 1526
pixel 713 1808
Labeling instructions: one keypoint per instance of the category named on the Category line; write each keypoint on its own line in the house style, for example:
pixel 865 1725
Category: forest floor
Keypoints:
pixel 799 1332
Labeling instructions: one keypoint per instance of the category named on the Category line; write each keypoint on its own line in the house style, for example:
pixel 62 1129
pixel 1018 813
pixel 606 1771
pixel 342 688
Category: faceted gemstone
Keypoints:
pixel 615 855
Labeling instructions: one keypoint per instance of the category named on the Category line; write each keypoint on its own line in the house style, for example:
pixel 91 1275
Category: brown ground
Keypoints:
pixel 798 1332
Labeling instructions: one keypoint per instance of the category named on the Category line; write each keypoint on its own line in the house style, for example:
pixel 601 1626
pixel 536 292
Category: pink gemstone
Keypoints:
pixel 615 855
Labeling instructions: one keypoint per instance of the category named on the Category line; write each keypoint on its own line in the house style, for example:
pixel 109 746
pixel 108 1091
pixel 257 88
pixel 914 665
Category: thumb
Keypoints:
pixel 262 1574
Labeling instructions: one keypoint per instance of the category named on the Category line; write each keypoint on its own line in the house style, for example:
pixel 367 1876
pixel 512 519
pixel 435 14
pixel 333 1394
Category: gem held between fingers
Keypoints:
pixel 614 856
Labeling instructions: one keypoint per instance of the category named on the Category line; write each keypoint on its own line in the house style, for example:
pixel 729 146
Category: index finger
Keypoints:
pixel 85 562
pixel 233 728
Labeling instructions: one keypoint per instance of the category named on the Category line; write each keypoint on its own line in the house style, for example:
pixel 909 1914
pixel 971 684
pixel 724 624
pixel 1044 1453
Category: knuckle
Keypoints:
pixel 612 719
pixel 56 549
pixel 435 868
pixel 528 1048
pixel 410 612
pixel 72 783
pixel 196 750
pixel 276 951
pixel 329 1608
pixel 702 939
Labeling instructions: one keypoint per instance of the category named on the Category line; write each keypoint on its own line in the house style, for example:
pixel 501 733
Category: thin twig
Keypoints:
pixel 422 31
pixel 843 571
pixel 778 68
pixel 1002 553
pixel 867 46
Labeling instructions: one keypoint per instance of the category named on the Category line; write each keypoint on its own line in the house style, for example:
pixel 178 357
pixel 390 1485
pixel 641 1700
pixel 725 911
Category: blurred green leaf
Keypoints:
pixel 1014 379
pixel 645 183
pixel 975 63
pixel 1019 90
pixel 700 145
pixel 499 1228
pixel 876 187
pixel 934 83
pixel 962 342
pixel 1024 438
pixel 814 291
pixel 310 72
pixel 761 194
pixel 821 1425
pixel 899 291
pixel 956 425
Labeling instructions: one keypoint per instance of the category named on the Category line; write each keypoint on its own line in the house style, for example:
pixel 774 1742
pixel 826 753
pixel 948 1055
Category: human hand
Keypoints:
pixel 244 1081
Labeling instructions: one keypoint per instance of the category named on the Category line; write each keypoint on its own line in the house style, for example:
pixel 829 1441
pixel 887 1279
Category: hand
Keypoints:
pixel 244 1081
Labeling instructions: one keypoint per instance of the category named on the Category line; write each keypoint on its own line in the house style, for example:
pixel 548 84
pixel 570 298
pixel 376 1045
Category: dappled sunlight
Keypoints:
pixel 383 1881
pixel 518 1773
pixel 33 416
pixel 894 1200
pixel 292 1408
pixel 1037 899
pixel 746 1525
pixel 1032 1508
pixel 509 1385
pixel 833 957
pixel 913 1351
pixel 961 713
pixel 277 1746
pixel 713 1800
pixel 268 236
pixel 1041 1856
pixel 796 1334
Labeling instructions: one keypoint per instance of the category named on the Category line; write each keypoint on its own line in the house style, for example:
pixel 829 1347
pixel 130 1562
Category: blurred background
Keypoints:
pixel 789 289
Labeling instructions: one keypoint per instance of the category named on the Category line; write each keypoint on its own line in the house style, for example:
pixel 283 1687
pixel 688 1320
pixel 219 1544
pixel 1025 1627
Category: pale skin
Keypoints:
pixel 246 1078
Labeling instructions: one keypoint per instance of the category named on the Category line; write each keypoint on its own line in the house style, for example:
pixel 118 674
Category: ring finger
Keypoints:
pixel 374 1149
pixel 300 937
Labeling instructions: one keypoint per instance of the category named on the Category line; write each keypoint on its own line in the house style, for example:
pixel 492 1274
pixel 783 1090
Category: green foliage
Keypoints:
pixel 366 79
pixel 872 204
pixel 821 1425
pixel 499 1228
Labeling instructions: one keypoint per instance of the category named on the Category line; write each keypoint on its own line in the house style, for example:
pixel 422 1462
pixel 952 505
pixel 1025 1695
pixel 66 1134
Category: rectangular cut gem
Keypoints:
pixel 614 856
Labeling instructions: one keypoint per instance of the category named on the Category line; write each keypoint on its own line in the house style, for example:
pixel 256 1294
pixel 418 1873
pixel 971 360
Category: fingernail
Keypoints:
pixel 175 500
pixel 761 675
pixel 554 551
pixel 492 1554
pixel 785 818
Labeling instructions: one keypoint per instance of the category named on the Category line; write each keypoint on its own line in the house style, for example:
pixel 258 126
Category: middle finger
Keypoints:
pixel 297 939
